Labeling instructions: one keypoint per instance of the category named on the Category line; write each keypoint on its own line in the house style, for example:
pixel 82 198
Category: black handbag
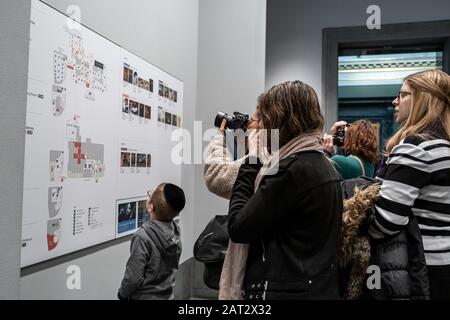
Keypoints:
pixel 210 249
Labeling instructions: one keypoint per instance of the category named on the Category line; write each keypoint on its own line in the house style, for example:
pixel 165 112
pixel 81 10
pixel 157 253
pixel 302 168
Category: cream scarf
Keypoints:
pixel 233 270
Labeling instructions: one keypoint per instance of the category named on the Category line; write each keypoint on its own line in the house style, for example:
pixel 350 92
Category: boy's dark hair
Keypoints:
pixel 168 200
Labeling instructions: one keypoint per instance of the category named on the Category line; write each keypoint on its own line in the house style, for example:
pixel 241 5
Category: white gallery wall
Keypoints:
pixel 13 87
pixel 231 60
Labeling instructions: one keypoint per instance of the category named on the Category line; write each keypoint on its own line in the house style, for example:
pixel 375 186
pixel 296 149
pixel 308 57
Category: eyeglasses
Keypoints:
pixel 149 194
pixel 402 94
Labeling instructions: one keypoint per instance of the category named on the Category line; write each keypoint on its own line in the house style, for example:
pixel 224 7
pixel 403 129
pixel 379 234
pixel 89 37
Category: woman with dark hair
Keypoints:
pixel 360 149
pixel 286 214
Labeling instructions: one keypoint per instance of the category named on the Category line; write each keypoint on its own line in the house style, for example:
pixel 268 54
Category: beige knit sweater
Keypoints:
pixel 220 170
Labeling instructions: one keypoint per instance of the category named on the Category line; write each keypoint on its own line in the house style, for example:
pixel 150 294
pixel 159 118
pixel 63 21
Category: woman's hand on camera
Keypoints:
pixel 328 142
pixel 337 125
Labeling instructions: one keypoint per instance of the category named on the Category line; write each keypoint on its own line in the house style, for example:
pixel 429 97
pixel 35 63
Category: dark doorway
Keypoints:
pixel 369 79
pixel 379 112
pixel 359 41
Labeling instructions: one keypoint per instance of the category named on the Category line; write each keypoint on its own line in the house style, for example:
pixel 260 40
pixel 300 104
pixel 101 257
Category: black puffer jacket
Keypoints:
pixel 400 257
pixel 292 224
pixel 402 264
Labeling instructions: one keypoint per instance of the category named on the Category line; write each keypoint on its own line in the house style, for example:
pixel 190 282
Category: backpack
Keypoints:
pixel 210 249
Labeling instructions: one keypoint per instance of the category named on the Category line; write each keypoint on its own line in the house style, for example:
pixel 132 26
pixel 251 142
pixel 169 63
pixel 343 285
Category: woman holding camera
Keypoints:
pixel 220 173
pixel 220 169
pixel 288 211
pixel 360 146
pixel 417 180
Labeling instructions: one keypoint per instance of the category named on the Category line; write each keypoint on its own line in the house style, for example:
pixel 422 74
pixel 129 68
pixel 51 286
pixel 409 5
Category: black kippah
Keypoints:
pixel 174 196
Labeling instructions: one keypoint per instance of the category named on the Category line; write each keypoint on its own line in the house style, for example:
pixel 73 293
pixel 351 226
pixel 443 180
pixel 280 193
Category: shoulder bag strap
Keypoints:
pixel 360 164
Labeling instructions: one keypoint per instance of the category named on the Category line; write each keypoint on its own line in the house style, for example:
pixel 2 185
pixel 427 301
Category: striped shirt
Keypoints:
pixel 417 181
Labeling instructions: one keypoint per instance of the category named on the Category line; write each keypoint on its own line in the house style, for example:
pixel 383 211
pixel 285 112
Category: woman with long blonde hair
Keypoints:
pixel 417 179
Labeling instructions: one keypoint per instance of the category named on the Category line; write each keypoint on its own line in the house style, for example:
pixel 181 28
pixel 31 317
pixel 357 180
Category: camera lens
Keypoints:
pixel 339 137
pixel 219 118
pixel 236 121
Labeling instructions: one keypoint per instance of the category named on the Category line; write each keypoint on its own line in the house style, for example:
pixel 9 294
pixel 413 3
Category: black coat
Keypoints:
pixel 292 224
pixel 400 257
pixel 402 264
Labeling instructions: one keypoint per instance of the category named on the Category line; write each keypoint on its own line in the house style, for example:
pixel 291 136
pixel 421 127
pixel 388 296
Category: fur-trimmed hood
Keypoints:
pixel 354 250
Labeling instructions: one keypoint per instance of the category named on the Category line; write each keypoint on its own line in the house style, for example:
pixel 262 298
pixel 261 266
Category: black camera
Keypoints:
pixel 339 137
pixel 236 121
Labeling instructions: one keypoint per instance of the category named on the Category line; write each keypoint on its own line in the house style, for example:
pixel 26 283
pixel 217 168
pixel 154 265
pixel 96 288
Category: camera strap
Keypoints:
pixel 231 143
pixel 360 164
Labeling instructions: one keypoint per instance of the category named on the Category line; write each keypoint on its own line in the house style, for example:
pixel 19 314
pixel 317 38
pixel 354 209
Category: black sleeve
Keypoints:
pixel 121 297
pixel 251 214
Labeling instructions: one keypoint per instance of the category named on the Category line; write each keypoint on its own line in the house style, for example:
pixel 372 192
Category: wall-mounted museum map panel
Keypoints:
pixel 94 140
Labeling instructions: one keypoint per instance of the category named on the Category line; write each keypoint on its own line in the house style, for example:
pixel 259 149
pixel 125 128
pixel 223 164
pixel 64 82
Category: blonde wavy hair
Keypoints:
pixel 430 107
